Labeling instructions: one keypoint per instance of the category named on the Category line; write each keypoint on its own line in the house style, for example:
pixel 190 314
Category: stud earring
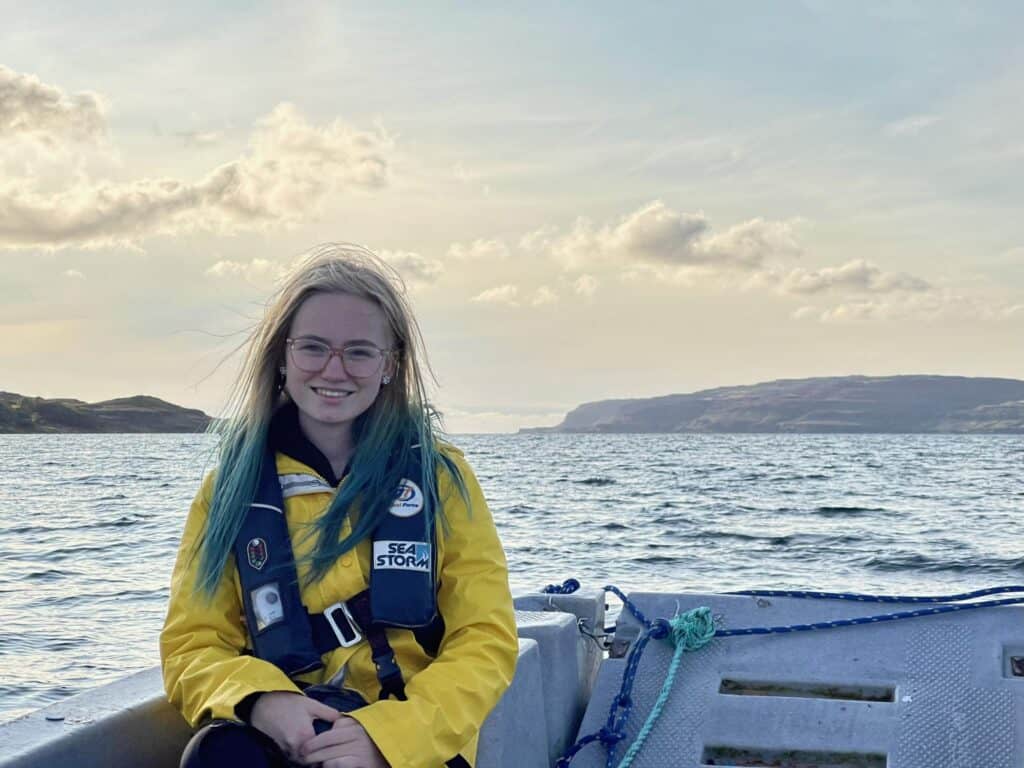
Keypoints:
pixel 386 380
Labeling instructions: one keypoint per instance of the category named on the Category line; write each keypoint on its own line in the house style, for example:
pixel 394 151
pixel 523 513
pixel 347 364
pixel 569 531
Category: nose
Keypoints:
pixel 335 368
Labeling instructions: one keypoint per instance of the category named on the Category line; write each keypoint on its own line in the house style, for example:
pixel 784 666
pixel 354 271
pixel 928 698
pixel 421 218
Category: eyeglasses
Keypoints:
pixel 359 360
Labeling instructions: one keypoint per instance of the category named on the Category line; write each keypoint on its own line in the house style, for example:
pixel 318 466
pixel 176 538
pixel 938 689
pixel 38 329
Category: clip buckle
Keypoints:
pixel 347 632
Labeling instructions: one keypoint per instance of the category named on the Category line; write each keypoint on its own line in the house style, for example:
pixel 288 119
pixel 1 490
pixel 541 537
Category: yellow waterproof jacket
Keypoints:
pixel 206 673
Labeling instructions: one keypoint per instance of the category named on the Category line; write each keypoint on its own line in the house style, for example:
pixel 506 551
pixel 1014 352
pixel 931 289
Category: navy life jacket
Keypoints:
pixel 402 589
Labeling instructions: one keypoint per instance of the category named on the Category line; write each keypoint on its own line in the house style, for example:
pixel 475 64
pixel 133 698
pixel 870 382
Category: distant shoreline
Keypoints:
pixel 851 405
pixel 22 415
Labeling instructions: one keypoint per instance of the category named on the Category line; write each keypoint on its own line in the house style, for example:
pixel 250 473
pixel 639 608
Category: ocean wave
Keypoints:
pixel 837 511
pixel 63 553
pixel 52 574
pixel 778 541
pixel 915 561
pixel 521 509
pixel 596 481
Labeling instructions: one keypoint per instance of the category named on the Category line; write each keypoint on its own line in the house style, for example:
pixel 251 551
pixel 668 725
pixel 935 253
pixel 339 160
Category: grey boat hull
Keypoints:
pixel 930 692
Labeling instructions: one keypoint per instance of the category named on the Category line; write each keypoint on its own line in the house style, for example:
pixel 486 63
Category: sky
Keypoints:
pixel 586 201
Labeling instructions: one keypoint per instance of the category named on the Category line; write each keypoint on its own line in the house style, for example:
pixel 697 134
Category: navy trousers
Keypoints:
pixel 229 744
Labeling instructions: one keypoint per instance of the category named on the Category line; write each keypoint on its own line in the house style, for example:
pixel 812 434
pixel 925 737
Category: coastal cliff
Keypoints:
pixel 885 404
pixel 20 414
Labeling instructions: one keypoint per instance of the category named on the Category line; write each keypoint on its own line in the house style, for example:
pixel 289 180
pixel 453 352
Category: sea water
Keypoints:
pixel 90 524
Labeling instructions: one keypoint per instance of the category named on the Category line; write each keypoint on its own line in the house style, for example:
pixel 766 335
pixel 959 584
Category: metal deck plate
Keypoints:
pixel 928 692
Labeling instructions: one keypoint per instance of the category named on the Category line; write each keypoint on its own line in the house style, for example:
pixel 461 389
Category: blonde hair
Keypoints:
pixel 399 427
pixel 331 268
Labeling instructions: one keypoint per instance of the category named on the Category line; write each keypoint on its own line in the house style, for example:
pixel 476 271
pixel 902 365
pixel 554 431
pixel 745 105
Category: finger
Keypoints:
pixel 319 710
pixel 344 762
pixel 326 752
pixel 327 739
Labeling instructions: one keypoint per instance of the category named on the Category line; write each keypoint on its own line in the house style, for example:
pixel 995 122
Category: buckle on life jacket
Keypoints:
pixel 345 628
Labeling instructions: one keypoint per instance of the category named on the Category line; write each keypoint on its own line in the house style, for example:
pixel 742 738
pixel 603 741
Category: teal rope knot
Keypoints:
pixel 693 629
pixel 689 631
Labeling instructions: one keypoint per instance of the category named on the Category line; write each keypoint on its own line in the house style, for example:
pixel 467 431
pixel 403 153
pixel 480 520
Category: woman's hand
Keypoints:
pixel 288 718
pixel 346 745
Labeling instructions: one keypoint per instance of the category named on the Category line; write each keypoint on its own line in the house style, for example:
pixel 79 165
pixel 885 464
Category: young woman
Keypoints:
pixel 340 553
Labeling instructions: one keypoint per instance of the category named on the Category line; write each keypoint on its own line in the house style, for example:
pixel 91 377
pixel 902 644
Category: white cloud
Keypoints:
pixel 31 109
pixel 1014 310
pixel 928 306
pixel 503 294
pixel 478 250
pixel 459 172
pixel 751 243
pixel 659 236
pixel 851 311
pixel 74 274
pixel 290 168
pixel 201 138
pixel 254 271
pixel 857 275
pixel 544 295
pixel 585 285
pixel 537 241
pixel 414 266
pixel 911 126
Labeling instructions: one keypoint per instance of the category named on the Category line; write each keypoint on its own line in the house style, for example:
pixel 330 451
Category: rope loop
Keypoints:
pixel 610 738
pixel 660 629
pixel 567 587
pixel 565 760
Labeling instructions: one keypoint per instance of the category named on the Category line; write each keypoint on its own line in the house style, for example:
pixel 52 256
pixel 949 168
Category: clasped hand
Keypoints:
pixel 288 719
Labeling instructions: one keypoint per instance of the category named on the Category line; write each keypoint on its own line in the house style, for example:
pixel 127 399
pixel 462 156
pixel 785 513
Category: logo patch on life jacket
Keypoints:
pixel 256 552
pixel 408 500
pixel 401 556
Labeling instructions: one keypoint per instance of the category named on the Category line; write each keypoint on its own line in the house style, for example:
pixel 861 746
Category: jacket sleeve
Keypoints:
pixel 449 700
pixel 205 672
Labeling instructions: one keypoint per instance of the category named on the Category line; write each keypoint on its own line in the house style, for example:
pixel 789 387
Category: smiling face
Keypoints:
pixel 330 400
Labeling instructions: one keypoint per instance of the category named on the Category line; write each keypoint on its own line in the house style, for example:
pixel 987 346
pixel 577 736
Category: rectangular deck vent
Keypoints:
pixel 808 690
pixel 1013 661
pixel 791 758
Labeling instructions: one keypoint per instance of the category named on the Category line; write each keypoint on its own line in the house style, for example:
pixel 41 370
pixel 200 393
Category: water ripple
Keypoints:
pixel 89 526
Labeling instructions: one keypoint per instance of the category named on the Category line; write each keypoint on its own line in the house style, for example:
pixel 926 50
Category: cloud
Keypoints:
pixel 31 109
pixel 478 250
pixel 858 275
pixel 201 138
pixel 290 168
pixel 413 266
pixel 585 285
pixel 503 294
pixel 543 295
pixel 254 271
pixel 911 126
pixel 73 274
pixel 929 306
pixel 659 236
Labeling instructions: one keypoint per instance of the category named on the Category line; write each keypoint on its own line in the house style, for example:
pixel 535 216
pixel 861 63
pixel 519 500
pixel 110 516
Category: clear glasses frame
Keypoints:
pixel 354 366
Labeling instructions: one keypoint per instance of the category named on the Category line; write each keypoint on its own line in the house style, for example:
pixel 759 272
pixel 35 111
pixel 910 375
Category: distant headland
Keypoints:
pixel 878 404
pixel 20 414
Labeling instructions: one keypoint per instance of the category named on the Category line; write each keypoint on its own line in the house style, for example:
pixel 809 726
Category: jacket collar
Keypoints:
pixel 287 437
